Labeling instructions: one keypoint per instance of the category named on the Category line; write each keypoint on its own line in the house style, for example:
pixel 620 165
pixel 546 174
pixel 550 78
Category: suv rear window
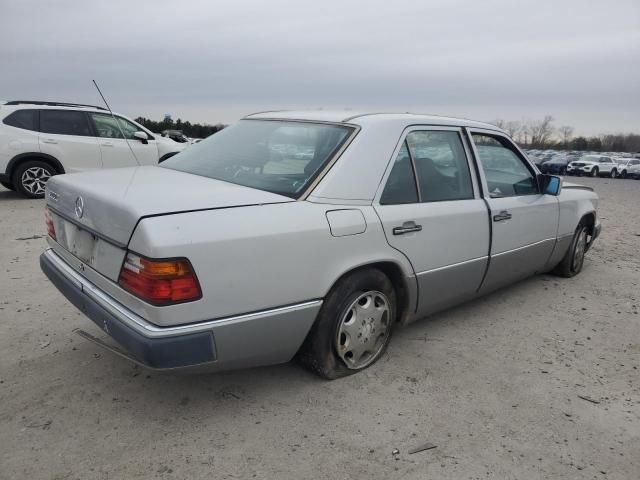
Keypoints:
pixel 65 122
pixel 26 119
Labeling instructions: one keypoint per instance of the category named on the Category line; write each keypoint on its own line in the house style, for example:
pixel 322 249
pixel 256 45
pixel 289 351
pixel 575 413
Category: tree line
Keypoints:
pixel 543 134
pixel 193 130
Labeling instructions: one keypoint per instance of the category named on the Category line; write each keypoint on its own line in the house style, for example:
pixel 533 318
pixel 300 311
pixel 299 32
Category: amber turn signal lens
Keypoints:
pixel 160 282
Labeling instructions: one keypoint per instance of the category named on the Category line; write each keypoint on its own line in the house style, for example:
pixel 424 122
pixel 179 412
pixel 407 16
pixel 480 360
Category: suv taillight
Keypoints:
pixel 51 229
pixel 159 282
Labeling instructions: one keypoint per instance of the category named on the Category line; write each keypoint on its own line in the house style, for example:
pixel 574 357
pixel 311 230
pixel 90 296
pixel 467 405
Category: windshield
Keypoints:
pixel 282 157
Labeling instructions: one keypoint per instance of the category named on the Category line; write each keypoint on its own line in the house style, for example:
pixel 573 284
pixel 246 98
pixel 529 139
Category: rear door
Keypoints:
pixel 116 150
pixel 431 211
pixel 67 136
pixel 524 221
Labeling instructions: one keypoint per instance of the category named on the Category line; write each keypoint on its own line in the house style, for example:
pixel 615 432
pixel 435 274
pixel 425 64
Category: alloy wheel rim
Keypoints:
pixel 364 329
pixel 34 180
pixel 578 254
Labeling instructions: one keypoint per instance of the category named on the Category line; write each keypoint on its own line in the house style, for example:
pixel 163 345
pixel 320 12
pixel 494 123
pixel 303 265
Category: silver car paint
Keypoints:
pixel 116 199
pixel 269 251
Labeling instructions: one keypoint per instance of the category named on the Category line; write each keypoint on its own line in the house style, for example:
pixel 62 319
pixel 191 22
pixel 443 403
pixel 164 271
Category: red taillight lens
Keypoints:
pixel 51 229
pixel 160 282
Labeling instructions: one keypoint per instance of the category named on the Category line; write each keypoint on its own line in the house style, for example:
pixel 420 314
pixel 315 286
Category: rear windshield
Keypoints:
pixel 277 156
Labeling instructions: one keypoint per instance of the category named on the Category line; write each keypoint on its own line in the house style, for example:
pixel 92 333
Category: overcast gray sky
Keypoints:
pixel 577 60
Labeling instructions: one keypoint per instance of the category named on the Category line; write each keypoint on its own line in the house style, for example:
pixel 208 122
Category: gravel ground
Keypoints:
pixel 496 384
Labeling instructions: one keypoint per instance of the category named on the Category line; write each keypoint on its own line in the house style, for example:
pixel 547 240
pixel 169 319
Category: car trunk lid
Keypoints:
pixel 96 212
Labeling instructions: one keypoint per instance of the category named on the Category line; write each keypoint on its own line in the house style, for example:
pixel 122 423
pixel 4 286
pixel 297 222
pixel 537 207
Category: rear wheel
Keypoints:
pixel 572 263
pixel 353 327
pixel 594 172
pixel 30 178
pixel 623 174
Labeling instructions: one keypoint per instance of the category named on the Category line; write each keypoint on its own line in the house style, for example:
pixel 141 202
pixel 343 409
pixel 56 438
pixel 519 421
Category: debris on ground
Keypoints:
pixel 33 237
pixel 589 399
pixel 422 448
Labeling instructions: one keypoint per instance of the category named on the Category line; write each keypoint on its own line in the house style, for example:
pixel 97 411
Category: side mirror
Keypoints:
pixel 551 184
pixel 142 136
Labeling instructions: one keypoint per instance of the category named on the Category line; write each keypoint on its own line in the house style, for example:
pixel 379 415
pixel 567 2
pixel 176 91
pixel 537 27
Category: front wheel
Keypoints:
pixel 594 172
pixel 353 327
pixel 614 173
pixel 573 260
pixel 30 178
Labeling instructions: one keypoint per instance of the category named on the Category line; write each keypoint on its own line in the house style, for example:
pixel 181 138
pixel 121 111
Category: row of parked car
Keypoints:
pixel 593 164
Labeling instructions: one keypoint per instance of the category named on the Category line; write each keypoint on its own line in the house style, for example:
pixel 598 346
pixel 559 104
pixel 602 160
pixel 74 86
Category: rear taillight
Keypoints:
pixel 159 282
pixel 51 229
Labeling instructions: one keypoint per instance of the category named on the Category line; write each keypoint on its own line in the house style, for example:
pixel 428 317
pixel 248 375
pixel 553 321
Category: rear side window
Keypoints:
pixel 26 119
pixel 506 173
pixel 441 166
pixel 64 122
pixel 401 184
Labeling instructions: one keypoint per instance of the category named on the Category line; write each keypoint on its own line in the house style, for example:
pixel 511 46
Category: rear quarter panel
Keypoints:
pixel 259 257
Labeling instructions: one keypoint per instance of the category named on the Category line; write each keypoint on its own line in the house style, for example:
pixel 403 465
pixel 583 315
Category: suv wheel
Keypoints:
pixel 623 174
pixel 614 173
pixel 30 178
pixel 594 172
pixel 353 327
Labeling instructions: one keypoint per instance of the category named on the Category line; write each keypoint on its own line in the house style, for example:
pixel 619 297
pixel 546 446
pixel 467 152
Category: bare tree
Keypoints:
pixel 499 123
pixel 512 127
pixel 567 132
pixel 542 131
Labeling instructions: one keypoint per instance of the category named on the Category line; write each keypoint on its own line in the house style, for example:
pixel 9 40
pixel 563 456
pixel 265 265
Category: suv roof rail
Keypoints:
pixel 51 104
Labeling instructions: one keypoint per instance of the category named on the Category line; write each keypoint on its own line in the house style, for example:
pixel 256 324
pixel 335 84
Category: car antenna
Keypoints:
pixel 117 122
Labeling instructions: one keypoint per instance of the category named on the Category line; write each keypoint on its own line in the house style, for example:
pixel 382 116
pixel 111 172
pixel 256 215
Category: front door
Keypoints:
pixel 116 150
pixel 431 211
pixel 524 220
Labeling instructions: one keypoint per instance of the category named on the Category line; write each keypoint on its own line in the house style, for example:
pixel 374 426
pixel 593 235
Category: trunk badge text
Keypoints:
pixel 79 207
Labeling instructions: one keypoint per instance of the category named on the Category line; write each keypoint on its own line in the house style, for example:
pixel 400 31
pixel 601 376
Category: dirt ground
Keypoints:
pixel 495 384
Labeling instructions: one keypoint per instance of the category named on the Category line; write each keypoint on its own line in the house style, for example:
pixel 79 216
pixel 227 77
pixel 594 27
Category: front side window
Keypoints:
pixel 64 122
pixel 107 127
pixel 441 165
pixel 505 172
pixel 277 156
pixel 25 119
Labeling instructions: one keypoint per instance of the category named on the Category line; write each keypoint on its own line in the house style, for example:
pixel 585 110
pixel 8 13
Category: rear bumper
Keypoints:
pixel 261 338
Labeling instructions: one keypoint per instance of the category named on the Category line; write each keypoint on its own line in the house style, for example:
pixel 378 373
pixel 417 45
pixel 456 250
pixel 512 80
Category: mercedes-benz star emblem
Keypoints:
pixel 79 207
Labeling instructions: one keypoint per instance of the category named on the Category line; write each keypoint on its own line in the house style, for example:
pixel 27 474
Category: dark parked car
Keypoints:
pixel 555 166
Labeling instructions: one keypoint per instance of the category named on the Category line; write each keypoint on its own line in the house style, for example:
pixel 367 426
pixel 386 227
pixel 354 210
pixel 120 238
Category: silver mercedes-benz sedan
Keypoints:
pixel 306 234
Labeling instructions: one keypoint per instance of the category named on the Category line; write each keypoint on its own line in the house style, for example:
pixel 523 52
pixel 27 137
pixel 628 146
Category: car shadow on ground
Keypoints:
pixel 11 195
pixel 279 383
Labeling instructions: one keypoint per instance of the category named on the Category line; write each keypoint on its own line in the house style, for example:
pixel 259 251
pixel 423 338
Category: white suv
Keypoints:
pixel 594 166
pixel 42 139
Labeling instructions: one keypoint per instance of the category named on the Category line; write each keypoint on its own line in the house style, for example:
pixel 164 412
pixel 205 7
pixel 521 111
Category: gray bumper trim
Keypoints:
pixel 261 338
pixel 148 329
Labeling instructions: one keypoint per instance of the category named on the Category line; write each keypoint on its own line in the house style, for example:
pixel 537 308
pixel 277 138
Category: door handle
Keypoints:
pixel 407 227
pixel 502 216
pixel 107 144
pixel 49 140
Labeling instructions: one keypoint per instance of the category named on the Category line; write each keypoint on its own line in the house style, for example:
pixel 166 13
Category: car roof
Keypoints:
pixel 363 117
